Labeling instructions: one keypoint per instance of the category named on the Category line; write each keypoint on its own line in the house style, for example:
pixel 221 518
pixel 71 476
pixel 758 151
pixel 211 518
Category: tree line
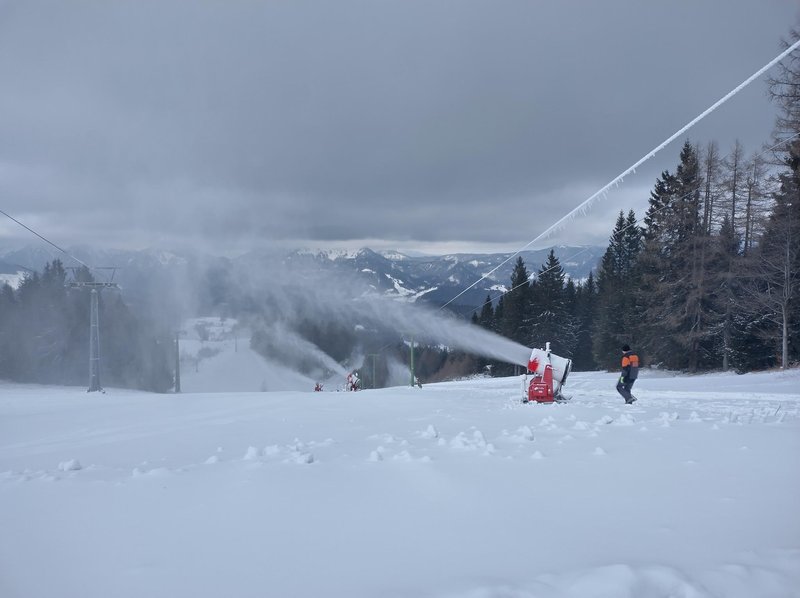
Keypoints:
pixel 708 280
pixel 44 336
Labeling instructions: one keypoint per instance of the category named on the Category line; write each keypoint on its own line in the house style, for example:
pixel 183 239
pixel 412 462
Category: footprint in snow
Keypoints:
pixel 155 472
pixel 300 458
pixel 406 457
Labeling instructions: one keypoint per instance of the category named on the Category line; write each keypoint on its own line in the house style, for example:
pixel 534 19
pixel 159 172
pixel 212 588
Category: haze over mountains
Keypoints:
pixel 431 279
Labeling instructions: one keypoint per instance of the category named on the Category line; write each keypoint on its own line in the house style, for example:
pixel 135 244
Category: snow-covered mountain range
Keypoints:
pixel 434 279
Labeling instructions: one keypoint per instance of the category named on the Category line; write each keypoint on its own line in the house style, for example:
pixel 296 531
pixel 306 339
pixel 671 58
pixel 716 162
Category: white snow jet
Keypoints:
pixel 287 305
pixel 397 373
pixel 295 348
pixel 344 301
pixel 424 323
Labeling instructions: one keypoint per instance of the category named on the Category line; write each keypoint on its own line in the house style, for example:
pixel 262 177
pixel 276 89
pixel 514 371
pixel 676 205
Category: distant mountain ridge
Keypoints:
pixel 437 279
pixel 431 279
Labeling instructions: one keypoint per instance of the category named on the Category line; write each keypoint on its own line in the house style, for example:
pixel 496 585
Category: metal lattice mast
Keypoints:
pixel 94 325
pixel 412 362
pixel 177 362
pixel 94 345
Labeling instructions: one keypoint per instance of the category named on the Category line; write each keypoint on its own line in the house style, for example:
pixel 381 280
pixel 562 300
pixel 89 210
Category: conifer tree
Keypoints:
pixel 778 269
pixel 44 336
pixel 499 314
pixel 515 324
pixel 486 318
pixel 673 271
pixel 550 316
pixel 617 319
pixel 724 264
pixel 583 316
pixel 499 368
pixel 779 253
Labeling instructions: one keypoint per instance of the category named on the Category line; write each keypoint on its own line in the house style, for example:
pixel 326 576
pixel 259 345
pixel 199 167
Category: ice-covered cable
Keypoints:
pixel 622 230
pixel 587 204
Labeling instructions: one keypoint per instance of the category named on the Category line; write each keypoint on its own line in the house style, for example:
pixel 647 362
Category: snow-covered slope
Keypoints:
pixel 235 368
pixel 216 357
pixel 455 489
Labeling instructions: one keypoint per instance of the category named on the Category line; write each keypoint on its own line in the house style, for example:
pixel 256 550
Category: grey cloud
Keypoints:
pixel 412 121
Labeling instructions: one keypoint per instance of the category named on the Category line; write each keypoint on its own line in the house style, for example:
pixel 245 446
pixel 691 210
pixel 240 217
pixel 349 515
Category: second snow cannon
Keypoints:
pixel 549 373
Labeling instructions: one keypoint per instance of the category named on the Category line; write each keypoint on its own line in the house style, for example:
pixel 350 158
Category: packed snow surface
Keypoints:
pixel 455 489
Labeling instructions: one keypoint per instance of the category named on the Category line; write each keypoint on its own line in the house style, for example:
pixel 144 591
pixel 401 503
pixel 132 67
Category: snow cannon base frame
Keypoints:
pixel 540 389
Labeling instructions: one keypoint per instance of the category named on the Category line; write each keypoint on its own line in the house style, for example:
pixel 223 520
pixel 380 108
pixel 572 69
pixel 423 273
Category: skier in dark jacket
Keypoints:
pixel 630 371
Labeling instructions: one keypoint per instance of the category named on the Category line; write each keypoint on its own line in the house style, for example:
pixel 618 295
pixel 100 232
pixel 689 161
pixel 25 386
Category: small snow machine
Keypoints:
pixel 548 374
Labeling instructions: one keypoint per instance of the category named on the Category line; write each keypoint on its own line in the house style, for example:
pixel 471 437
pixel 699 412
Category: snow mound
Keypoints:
pixel 71 465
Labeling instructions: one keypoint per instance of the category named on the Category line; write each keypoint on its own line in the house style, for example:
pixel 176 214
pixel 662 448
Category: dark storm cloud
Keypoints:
pixel 418 122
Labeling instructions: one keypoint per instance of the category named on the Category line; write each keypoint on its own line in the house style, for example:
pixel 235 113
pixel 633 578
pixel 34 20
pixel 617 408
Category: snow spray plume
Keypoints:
pixel 423 323
pixel 313 321
pixel 397 372
pixel 299 297
pixel 292 349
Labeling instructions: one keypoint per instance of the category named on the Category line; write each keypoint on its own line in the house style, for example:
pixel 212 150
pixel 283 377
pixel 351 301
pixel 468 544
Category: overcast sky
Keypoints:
pixel 421 125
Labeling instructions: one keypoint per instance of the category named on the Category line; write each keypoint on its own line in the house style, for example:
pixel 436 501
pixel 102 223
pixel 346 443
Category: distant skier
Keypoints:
pixel 318 387
pixel 417 382
pixel 630 371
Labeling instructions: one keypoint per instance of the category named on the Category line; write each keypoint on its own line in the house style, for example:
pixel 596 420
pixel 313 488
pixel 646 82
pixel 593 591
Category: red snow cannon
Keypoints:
pixel 541 387
pixel 549 373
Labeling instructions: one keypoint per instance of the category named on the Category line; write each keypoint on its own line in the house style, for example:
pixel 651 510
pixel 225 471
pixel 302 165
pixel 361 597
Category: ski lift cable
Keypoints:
pixel 622 230
pixel 46 240
pixel 781 142
pixel 585 205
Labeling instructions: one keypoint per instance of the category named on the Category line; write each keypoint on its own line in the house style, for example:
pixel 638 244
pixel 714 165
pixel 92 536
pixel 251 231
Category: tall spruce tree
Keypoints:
pixel 551 317
pixel 499 368
pixel 516 321
pixel 617 318
pixel 779 253
pixel 584 316
pixel 778 270
pixel 673 272
pixel 724 263
pixel 486 318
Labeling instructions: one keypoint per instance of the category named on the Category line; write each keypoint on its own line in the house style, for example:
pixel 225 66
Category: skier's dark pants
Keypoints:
pixel 624 388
